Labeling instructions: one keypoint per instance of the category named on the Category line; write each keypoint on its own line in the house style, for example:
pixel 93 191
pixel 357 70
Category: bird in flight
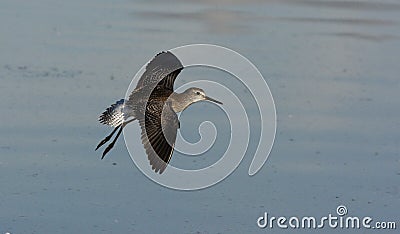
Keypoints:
pixel 154 104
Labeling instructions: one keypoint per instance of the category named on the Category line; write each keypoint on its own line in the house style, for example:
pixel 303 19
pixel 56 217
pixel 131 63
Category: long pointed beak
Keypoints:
pixel 212 100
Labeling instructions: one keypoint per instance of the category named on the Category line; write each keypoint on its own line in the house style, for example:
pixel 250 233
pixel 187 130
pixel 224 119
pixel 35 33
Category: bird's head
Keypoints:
pixel 197 94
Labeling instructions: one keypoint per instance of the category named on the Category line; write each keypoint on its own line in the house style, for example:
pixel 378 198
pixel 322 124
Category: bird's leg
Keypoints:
pixel 111 145
pixel 107 137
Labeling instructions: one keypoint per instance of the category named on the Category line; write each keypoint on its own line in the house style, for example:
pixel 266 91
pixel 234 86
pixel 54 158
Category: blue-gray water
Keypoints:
pixel 332 66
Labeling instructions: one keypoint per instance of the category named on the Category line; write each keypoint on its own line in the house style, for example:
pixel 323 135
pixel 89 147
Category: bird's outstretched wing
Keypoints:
pixel 161 71
pixel 159 134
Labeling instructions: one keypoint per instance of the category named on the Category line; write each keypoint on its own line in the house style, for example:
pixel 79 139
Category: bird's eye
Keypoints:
pixel 198 93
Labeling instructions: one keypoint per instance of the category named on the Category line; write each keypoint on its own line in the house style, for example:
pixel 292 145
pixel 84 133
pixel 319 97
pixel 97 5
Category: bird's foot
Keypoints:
pixel 109 147
pixel 105 140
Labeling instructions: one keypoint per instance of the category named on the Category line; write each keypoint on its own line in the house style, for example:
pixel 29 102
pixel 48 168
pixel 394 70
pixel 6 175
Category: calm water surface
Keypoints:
pixel 332 67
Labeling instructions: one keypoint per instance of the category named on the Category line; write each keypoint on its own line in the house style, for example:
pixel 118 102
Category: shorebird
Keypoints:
pixel 154 104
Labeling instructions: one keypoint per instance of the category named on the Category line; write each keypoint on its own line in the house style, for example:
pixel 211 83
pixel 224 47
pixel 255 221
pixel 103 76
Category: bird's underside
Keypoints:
pixel 148 104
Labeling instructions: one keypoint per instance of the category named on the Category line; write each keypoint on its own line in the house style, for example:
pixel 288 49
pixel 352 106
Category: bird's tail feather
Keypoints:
pixel 113 115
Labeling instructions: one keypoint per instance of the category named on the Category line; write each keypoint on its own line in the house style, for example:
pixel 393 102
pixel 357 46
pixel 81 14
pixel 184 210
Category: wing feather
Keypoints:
pixel 161 71
pixel 159 129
